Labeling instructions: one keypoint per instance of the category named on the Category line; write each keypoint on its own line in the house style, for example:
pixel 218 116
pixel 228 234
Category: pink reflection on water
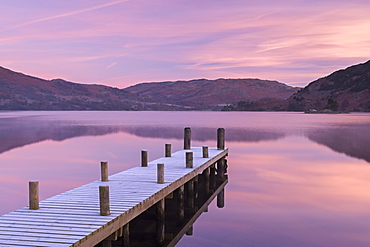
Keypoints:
pixel 284 189
pixel 289 193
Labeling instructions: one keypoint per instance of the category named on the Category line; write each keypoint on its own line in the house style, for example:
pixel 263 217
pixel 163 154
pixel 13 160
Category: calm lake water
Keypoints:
pixel 294 179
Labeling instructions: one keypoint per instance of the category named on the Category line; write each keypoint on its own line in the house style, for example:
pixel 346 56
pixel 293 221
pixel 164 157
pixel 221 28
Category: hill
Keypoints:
pixel 344 90
pixel 203 93
pixel 23 92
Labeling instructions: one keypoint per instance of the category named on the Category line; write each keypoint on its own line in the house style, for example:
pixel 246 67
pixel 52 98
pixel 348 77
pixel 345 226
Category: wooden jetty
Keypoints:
pixel 100 212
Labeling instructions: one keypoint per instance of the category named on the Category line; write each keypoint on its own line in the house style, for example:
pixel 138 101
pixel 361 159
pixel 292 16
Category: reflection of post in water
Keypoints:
pixel 221 199
pixel 189 232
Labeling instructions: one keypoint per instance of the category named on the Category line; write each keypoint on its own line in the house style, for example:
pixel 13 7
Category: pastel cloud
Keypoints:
pixel 64 15
pixel 291 41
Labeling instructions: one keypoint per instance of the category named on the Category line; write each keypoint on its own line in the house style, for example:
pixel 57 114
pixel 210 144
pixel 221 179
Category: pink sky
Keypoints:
pixel 121 43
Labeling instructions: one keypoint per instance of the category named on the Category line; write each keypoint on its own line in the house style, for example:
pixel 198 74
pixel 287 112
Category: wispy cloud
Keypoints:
pixel 64 15
pixel 111 65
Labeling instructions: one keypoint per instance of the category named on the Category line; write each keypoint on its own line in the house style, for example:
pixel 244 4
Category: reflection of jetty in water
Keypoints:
pixel 147 230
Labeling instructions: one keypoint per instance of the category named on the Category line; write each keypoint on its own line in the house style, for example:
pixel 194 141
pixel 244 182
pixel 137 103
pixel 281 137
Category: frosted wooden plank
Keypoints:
pixel 12 243
pixel 49 221
pixel 17 214
pixel 46 228
pixel 68 238
pixel 41 224
pixel 36 239
pixel 71 212
pixel 38 231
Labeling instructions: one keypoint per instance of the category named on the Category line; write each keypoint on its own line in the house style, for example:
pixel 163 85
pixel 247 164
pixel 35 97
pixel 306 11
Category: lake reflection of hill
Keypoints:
pixel 353 140
pixel 19 132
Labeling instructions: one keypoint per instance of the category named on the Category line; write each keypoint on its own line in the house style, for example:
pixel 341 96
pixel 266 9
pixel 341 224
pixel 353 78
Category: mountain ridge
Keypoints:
pixel 199 92
pixel 344 90
pixel 23 92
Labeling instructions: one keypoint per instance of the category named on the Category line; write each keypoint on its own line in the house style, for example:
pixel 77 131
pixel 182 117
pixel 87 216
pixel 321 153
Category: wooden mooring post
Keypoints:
pixel 34 195
pixel 104 200
pixel 160 173
pixel 104 171
pixel 205 151
pixel 167 150
pixel 144 158
pixel 221 138
pixel 187 138
pixel 189 159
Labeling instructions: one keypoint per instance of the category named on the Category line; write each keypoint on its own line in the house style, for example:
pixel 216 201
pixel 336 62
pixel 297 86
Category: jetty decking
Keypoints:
pixel 74 218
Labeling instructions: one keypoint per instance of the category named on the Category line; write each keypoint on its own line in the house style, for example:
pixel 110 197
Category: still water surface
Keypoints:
pixel 294 179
